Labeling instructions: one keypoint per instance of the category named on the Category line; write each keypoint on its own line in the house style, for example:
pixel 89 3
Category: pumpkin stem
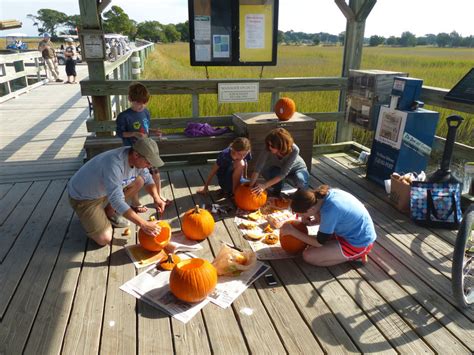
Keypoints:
pixel 170 258
pixel 196 209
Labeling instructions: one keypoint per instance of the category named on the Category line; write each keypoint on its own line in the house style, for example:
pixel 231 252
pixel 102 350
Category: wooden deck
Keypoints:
pixel 60 292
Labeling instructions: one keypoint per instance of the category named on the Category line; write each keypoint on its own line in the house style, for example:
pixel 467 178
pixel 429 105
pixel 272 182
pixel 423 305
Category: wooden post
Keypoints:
pixel 356 13
pixel 136 68
pixel 274 99
pixel 90 18
pixel 195 105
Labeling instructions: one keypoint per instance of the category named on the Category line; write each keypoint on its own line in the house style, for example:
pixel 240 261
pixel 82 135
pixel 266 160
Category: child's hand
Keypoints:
pixel 156 132
pixel 139 135
pixel 258 189
pixel 203 191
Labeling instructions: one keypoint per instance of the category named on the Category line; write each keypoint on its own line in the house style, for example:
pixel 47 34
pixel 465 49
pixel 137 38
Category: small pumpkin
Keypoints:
pixel 170 262
pixel 192 280
pixel 155 243
pixel 198 224
pixel 285 108
pixel 291 244
pixel 247 200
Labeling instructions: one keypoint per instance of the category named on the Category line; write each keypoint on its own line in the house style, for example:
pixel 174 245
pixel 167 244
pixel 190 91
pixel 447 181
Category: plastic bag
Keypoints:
pixel 232 262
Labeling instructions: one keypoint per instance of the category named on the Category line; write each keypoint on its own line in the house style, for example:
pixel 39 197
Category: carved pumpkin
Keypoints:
pixel 155 243
pixel 285 108
pixel 198 224
pixel 193 279
pixel 291 244
pixel 247 200
pixel 170 262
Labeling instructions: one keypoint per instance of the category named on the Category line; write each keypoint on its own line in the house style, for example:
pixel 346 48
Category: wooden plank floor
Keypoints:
pixel 60 292
pixel 43 131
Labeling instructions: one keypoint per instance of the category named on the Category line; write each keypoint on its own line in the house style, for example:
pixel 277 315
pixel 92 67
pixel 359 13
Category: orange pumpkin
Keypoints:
pixel 246 200
pixel 155 243
pixel 291 244
pixel 192 280
pixel 170 262
pixel 198 224
pixel 285 108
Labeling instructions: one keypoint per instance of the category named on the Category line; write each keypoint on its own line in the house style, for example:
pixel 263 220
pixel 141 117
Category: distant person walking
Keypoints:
pixel 71 57
pixel 47 52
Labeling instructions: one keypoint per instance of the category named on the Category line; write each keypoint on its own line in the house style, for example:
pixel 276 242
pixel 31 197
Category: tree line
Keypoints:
pixel 116 20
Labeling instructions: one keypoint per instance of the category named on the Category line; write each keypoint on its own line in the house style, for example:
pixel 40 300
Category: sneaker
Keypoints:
pixel 59 80
pixel 118 221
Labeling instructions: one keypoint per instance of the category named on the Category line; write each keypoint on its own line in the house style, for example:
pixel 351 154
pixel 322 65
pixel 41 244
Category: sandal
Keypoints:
pixel 139 209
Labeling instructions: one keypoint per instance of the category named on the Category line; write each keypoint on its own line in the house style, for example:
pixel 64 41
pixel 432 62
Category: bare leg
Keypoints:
pixel 157 180
pixel 237 173
pixel 103 238
pixel 327 255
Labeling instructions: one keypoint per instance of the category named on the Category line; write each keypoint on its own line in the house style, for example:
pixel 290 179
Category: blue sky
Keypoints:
pixel 389 17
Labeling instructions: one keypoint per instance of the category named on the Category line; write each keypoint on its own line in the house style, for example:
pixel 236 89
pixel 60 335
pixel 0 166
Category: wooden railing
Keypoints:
pixel 15 78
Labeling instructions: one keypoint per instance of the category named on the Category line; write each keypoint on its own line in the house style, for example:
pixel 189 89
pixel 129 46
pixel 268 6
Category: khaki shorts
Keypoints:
pixel 92 215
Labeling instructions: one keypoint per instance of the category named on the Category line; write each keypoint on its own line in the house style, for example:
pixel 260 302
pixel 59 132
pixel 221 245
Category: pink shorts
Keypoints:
pixel 351 252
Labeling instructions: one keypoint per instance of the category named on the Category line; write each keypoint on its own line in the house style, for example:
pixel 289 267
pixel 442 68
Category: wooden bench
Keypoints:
pixel 174 145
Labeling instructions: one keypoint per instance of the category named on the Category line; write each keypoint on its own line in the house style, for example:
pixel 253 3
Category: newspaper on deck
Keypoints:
pixel 228 288
pixel 142 258
pixel 152 286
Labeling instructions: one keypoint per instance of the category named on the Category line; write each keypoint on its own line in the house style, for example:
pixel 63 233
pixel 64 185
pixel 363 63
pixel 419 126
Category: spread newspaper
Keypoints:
pixel 152 286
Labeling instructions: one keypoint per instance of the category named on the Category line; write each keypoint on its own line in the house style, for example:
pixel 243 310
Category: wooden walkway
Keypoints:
pixel 59 292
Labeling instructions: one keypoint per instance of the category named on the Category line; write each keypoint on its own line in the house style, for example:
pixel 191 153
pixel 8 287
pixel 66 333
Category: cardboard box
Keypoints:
pixel 400 194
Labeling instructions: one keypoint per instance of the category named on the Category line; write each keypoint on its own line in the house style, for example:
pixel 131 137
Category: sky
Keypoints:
pixel 388 17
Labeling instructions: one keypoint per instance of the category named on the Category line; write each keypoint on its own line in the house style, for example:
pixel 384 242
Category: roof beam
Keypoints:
pixel 102 5
pixel 345 9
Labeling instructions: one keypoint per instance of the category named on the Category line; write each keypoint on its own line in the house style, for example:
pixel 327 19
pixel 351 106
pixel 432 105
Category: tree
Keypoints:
pixel 171 34
pixel 117 21
pixel 183 29
pixel 342 37
pixel 151 31
pixel 408 39
pixel 281 36
pixel 72 24
pixel 375 40
pixel 315 39
pixel 455 39
pixel 442 39
pixel 392 41
pixel 48 21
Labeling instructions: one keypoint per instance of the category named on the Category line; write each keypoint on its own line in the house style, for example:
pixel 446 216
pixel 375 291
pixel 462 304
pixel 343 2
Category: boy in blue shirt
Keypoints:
pixel 133 124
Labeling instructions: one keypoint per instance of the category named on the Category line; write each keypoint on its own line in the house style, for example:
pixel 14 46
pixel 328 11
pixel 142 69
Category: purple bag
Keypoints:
pixel 203 130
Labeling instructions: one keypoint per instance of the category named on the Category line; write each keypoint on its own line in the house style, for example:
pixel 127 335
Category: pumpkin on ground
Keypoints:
pixel 198 224
pixel 192 280
pixel 285 108
pixel 291 244
pixel 247 200
pixel 155 243
pixel 170 262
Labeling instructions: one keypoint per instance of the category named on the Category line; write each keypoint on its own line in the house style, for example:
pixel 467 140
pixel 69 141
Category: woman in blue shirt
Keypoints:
pixel 346 231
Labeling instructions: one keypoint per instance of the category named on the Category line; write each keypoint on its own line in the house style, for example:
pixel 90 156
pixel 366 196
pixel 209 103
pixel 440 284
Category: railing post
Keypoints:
pixel 195 105
pixel 38 70
pixel 136 68
pixel 273 101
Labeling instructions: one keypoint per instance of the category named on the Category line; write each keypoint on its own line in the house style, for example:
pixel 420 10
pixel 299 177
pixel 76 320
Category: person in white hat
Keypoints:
pixel 71 57
pixel 99 189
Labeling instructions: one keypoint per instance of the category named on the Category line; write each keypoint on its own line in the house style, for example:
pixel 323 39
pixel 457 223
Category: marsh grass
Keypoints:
pixel 436 66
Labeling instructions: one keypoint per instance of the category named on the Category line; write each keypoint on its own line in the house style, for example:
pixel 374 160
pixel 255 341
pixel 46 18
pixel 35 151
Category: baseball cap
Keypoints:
pixel 148 148
pixel 69 40
pixel 46 35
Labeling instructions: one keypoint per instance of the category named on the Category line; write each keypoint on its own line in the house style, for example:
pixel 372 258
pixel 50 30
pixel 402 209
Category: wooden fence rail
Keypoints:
pixel 15 78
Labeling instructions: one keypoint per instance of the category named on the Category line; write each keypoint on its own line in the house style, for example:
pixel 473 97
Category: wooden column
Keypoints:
pixel 90 17
pixel 356 13
pixel 136 67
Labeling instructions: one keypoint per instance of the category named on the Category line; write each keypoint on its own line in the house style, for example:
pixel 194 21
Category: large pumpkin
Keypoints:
pixel 192 280
pixel 291 244
pixel 155 243
pixel 198 224
pixel 285 108
pixel 246 200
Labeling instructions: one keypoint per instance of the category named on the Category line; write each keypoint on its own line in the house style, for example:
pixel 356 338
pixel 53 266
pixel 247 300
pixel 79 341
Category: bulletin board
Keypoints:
pixel 233 32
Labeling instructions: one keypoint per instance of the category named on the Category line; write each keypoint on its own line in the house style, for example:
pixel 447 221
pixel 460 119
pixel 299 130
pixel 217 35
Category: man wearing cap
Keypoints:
pixel 99 189
pixel 49 56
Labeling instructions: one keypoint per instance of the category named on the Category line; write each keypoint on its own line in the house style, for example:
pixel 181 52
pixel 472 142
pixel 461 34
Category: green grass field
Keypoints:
pixel 439 67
